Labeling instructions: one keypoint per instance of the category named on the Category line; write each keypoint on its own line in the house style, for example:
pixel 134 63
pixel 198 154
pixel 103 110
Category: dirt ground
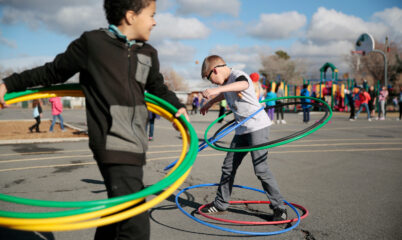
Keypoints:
pixel 20 130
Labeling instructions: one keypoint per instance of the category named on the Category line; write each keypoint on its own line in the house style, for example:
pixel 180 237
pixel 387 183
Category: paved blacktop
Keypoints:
pixel 347 174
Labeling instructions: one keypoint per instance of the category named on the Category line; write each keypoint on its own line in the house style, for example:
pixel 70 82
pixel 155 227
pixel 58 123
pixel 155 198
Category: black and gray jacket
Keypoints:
pixel 113 77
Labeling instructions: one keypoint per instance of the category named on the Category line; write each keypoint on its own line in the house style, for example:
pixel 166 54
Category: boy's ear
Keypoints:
pixel 130 17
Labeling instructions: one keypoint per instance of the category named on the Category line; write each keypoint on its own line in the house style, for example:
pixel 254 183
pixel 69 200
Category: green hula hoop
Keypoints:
pixel 94 205
pixel 276 144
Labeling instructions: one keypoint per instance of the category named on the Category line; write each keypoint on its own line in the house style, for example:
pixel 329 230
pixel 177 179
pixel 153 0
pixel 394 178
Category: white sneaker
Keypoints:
pixel 376 118
pixel 369 119
pixel 283 121
pixel 277 122
pixel 352 119
pixel 383 118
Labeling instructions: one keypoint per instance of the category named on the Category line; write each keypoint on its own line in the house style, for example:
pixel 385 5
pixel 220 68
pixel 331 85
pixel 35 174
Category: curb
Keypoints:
pixel 42 140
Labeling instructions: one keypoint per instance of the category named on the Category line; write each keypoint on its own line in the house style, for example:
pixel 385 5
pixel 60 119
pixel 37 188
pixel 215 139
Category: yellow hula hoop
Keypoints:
pixel 108 211
pixel 105 221
pixel 56 224
pixel 46 94
pixel 113 218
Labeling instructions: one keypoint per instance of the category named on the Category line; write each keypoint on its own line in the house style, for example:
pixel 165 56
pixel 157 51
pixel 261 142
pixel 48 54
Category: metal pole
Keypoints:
pixel 385 66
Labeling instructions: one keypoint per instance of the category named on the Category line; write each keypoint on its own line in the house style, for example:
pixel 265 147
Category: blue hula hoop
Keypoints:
pixel 220 135
pixel 229 229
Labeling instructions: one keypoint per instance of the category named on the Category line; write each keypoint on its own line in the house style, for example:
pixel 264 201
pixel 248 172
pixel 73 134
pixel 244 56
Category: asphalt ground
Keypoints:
pixel 347 174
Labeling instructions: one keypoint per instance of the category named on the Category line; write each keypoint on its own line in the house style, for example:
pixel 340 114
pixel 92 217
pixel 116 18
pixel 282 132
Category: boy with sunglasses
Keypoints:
pixel 237 88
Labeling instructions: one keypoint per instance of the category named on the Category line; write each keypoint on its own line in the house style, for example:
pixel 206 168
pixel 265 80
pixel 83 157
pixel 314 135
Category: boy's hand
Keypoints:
pixel 3 91
pixel 210 93
pixel 178 114
pixel 205 108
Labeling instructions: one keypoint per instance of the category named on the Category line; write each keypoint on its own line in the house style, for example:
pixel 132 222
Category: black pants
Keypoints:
pixel 221 112
pixel 122 180
pixel 279 110
pixel 400 110
pixel 36 125
pixel 352 111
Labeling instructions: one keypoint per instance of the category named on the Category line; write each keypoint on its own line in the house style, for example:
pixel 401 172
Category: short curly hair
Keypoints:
pixel 115 10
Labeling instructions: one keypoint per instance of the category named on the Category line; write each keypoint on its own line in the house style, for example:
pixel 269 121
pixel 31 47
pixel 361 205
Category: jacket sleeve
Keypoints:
pixel 63 67
pixel 155 84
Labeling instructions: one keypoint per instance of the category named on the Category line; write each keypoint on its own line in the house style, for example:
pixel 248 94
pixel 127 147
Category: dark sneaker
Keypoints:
pixel 280 214
pixel 211 209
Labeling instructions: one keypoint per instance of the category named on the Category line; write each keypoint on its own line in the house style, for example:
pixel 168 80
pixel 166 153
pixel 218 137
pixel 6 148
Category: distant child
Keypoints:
pixel 349 95
pixel 222 109
pixel 255 78
pixel 237 88
pixel 305 103
pixel 270 105
pixel 151 124
pixel 57 109
pixel 279 107
pixel 364 97
pixel 373 97
pixel 400 103
pixel 37 114
pixel 382 99
pixel 195 104
pixel 116 66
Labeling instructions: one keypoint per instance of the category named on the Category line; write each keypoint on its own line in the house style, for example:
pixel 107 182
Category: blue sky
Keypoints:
pixel 311 31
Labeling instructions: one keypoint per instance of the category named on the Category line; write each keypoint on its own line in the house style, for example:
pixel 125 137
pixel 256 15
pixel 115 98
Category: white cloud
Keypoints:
pixel 242 58
pixel 67 17
pixel 172 27
pixel 278 26
pixel 316 55
pixel 173 52
pixel 309 48
pixel 76 19
pixel 331 25
pixel 392 18
pixel 164 5
pixel 209 7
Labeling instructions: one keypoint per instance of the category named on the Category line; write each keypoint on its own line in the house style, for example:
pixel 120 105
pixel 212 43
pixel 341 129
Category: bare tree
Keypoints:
pixel 174 81
pixel 5 72
pixel 371 66
pixel 280 64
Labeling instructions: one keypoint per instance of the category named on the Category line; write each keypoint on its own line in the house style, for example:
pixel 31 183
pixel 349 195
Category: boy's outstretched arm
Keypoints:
pixel 232 87
pixel 211 102
pixel 3 91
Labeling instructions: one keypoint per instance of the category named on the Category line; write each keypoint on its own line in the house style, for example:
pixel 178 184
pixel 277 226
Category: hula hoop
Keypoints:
pixel 104 212
pixel 45 228
pixel 293 137
pixel 226 131
pixel 233 230
pixel 177 176
pixel 303 209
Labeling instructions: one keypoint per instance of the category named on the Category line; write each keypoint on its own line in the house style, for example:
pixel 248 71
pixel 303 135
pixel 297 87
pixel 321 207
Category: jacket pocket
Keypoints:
pixel 144 64
pixel 127 132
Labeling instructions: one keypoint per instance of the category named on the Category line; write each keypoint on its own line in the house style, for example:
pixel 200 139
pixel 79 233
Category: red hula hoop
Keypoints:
pixel 303 209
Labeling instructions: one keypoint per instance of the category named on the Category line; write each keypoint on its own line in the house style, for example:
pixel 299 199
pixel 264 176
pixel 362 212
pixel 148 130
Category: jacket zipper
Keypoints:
pixel 133 95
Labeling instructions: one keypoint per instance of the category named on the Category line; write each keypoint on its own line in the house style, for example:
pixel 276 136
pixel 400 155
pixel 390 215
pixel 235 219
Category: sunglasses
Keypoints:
pixel 210 73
